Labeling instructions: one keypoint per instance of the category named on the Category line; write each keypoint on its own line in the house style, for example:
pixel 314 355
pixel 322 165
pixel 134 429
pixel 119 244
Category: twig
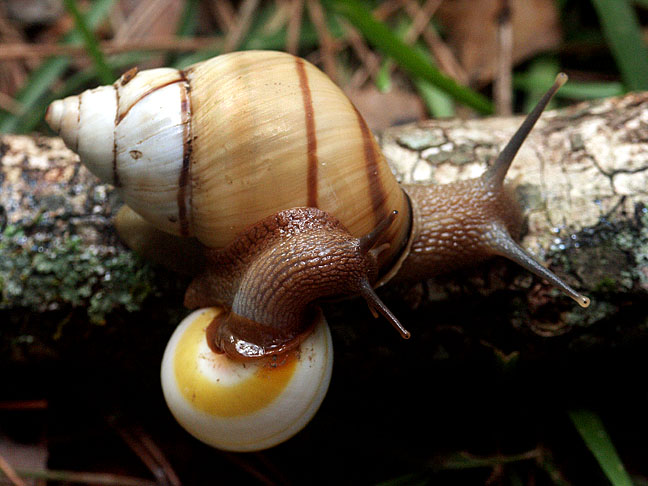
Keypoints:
pixel 242 462
pixel 225 14
pixel 369 59
pixel 421 17
pixel 150 454
pixel 316 14
pixel 24 405
pixel 386 9
pixel 139 22
pixel 9 471
pixel 103 479
pixel 503 80
pixel 159 456
pixel 294 26
pixel 241 27
pixel 441 52
pixel 28 51
pixel 9 104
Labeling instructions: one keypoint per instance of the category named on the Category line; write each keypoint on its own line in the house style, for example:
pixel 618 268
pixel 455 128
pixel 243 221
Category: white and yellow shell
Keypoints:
pixel 243 406
pixel 209 150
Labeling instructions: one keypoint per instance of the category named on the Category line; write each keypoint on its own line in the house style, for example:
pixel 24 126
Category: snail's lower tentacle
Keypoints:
pixel 502 244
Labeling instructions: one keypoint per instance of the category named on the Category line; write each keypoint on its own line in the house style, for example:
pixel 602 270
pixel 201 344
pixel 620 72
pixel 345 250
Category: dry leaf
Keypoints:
pixel 471 27
pixel 383 110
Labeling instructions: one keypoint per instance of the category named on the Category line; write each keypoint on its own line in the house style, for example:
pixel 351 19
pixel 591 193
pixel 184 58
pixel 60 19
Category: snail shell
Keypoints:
pixel 207 152
pixel 243 406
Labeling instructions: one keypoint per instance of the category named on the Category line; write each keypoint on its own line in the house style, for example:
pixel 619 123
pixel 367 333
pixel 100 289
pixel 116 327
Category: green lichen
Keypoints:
pixel 420 139
pixel 68 273
pixel 620 250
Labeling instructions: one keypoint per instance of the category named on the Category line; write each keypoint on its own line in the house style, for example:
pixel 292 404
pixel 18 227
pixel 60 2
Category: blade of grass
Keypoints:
pixel 189 19
pixel 623 33
pixel 104 72
pixel 591 90
pixel 591 429
pixel 542 72
pixel 48 72
pixel 381 37
pixel 574 89
pixel 383 76
pixel 438 102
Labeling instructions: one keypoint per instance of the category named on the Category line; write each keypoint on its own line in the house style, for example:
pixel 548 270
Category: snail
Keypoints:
pixel 243 406
pixel 266 163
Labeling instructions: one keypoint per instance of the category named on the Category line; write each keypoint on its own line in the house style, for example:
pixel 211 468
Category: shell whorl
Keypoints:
pixel 133 134
pixel 210 150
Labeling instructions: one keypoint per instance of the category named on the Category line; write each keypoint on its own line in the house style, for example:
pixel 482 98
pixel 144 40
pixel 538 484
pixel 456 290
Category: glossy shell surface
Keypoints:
pixel 209 150
pixel 243 406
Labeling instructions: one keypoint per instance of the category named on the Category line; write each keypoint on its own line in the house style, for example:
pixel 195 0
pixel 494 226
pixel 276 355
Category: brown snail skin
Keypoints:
pixel 262 159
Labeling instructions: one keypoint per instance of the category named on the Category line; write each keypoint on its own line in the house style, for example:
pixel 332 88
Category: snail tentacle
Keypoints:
pixel 496 173
pixel 502 243
pixel 466 222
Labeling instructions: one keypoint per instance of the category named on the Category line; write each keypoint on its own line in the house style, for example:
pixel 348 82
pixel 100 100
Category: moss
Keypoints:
pixel 619 250
pixel 67 272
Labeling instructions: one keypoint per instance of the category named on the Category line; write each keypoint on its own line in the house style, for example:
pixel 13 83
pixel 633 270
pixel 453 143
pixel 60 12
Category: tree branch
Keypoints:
pixel 582 177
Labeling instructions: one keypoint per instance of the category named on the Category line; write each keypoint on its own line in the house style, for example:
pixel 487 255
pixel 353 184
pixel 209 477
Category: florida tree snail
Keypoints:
pixel 243 406
pixel 265 161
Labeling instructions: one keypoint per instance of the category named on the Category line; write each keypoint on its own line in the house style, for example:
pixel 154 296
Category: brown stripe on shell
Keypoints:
pixel 116 182
pixel 372 159
pixel 311 135
pixel 76 142
pixel 121 116
pixel 128 75
pixel 184 187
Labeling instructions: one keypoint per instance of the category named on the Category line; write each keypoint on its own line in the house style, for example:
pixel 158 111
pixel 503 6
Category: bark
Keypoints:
pixel 582 178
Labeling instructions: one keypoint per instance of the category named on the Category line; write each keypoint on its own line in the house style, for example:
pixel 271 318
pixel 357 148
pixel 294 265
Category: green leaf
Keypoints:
pixel 591 429
pixel 541 74
pixel 381 37
pixel 623 33
pixel 104 72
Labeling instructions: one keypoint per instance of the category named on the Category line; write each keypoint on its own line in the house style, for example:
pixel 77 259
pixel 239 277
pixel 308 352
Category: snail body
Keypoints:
pixel 261 158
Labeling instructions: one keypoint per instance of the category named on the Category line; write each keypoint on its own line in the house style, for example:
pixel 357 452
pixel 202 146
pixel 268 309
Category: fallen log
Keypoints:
pixel 582 178
pixel 83 320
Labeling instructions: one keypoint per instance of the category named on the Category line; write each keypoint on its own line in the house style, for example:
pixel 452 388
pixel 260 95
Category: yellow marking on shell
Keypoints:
pixel 246 393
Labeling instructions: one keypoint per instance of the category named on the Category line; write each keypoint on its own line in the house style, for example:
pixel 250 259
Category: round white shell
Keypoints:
pixel 243 406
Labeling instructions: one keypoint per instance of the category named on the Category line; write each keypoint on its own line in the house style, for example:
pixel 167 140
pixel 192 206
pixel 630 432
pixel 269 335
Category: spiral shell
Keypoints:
pixel 243 406
pixel 209 150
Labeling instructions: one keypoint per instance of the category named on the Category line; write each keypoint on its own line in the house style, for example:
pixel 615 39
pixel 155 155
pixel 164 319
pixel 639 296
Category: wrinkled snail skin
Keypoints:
pixel 466 222
pixel 271 274
pixel 268 165
pixel 243 406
